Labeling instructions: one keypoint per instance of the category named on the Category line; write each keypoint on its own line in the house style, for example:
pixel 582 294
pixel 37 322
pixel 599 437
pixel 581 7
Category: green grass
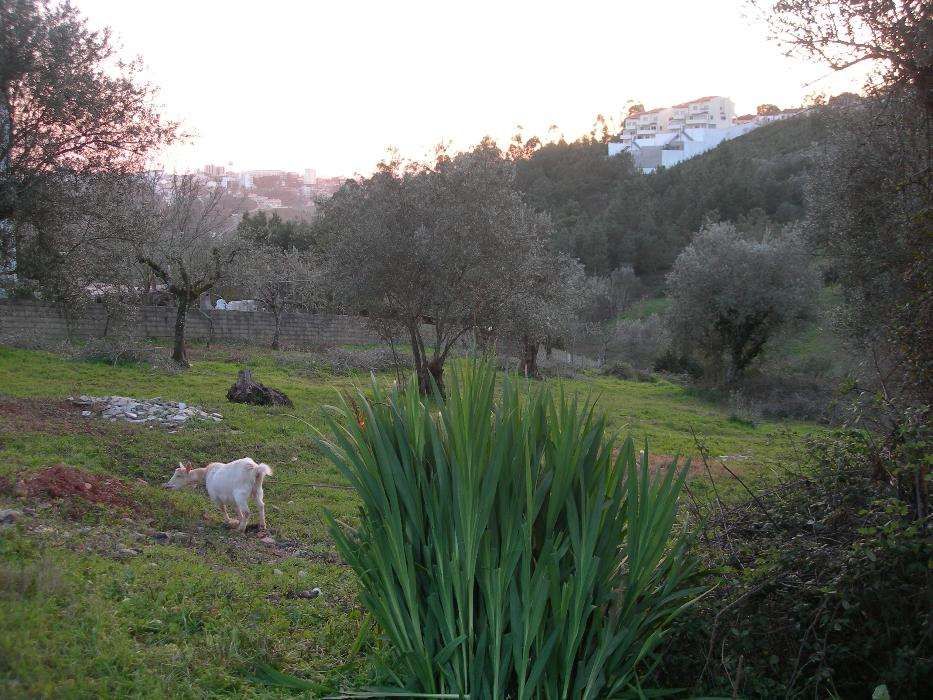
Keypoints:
pixel 646 307
pixel 194 619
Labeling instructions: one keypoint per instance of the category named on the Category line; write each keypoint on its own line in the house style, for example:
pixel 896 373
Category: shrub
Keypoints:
pixel 822 589
pixel 639 341
pixel 342 361
pixel 502 547
pixel 795 396
pixel 623 370
pixel 118 351
pixel 675 363
pixel 349 360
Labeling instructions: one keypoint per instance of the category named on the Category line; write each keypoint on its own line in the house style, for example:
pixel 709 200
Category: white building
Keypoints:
pixel 673 147
pixel 670 135
pixel 711 112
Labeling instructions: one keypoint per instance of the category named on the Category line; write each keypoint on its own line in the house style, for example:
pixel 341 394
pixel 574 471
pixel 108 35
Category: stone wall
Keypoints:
pixel 38 322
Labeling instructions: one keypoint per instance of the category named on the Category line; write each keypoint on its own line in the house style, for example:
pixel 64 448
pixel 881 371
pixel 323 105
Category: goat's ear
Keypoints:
pixel 182 466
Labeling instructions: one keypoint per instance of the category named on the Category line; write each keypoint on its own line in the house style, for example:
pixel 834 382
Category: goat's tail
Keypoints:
pixel 262 471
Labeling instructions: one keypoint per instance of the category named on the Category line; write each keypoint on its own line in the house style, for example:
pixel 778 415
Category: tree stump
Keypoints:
pixel 245 390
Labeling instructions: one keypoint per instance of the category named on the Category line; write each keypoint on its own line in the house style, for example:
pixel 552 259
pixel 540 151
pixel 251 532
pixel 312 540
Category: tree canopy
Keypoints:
pixel 730 293
pixel 439 245
pixel 67 107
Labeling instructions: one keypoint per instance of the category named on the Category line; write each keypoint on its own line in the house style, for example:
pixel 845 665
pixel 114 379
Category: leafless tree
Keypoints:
pixel 192 248
pixel 898 34
pixel 281 281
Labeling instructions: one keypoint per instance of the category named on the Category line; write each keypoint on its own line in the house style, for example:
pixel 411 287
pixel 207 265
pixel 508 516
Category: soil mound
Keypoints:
pixel 62 481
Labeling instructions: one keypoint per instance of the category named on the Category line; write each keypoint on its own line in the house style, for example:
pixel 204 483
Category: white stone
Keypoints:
pixel 10 515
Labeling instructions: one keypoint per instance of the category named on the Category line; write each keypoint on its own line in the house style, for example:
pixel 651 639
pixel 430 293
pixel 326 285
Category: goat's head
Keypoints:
pixel 181 478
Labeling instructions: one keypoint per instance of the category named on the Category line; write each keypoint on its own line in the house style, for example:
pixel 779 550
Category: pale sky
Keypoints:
pixel 297 84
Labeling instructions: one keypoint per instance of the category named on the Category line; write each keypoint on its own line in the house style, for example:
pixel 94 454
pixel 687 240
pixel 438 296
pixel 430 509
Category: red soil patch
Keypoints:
pixel 47 416
pixel 62 481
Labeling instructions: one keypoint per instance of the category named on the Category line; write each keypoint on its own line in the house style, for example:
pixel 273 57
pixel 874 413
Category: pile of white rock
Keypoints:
pixel 153 411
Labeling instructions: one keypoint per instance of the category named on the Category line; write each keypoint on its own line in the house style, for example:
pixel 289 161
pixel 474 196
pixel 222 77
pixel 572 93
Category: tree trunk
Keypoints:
pixel 530 358
pixel 275 333
pixel 431 374
pixel 247 390
pixel 7 245
pixel 180 353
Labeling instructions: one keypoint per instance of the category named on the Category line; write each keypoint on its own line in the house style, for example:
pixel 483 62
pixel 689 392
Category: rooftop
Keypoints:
pixel 677 106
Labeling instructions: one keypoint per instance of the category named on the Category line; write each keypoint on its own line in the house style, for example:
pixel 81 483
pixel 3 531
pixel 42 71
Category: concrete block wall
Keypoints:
pixel 41 322
pixel 38 323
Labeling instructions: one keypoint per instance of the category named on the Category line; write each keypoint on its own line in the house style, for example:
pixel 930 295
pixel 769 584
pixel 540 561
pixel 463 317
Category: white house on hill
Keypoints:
pixel 670 135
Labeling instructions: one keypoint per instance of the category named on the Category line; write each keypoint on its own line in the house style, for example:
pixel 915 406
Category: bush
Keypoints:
pixel 675 363
pixel 623 370
pixel 639 341
pixel 349 360
pixel 502 547
pixel 793 396
pixel 822 589
pixel 342 361
pixel 118 351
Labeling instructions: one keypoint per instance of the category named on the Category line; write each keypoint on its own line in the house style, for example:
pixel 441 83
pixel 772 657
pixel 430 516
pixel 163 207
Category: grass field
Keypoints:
pixel 159 599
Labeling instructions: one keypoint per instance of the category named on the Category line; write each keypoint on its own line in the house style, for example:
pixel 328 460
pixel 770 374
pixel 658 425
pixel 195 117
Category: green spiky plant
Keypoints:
pixel 505 547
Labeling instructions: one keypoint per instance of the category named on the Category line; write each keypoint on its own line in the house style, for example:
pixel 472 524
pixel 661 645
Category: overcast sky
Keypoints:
pixel 300 84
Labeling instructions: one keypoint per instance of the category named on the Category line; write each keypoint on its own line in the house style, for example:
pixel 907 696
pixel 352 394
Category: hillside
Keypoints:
pixel 608 214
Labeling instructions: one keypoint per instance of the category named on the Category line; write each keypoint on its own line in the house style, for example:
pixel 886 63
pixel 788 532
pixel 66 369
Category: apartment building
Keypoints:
pixel 710 112
pixel 670 135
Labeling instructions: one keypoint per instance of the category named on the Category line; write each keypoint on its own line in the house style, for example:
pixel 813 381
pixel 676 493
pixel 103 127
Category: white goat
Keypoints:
pixel 228 484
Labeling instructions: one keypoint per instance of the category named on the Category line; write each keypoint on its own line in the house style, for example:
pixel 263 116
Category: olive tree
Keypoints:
pixel 730 294
pixel 551 291
pixel 192 248
pixel 78 247
pixel 429 250
pixel 66 106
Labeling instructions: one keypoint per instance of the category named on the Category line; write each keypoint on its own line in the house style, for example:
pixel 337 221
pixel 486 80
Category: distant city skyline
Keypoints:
pixel 333 86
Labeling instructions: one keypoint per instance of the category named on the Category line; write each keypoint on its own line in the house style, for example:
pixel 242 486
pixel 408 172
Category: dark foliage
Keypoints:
pixel 673 362
pixel 275 231
pixel 821 589
pixel 67 105
pixel 608 214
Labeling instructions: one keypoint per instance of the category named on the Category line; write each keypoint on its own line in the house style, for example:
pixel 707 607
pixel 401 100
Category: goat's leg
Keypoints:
pixel 242 509
pixel 260 506
pixel 227 519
